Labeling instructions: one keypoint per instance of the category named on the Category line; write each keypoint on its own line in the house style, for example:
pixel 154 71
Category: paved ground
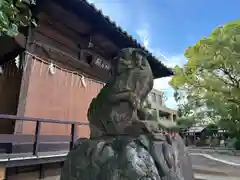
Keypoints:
pixel 210 177
pixel 219 163
pixel 215 150
pixel 234 159
pixel 222 157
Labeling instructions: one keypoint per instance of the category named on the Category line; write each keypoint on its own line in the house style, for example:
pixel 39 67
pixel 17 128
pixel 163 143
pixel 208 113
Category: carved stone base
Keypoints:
pixel 126 158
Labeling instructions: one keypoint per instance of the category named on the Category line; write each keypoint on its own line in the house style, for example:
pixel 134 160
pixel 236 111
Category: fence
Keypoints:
pixel 20 143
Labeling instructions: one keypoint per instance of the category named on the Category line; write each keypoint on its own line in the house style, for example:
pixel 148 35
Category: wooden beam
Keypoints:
pixel 20 39
pixel 70 61
pixel 53 34
pixel 24 83
pixel 70 19
pixel 41 39
pixel 70 23
pixel 78 39
pixel 46 20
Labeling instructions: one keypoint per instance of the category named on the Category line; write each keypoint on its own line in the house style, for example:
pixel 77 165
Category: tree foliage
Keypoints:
pixel 210 79
pixel 186 122
pixel 14 14
pixel 212 129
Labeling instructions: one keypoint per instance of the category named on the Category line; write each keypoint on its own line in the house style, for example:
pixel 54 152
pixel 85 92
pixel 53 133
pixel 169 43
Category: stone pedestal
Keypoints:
pixel 128 158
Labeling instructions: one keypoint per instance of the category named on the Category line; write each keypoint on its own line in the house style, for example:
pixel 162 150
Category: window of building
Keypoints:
pixel 160 100
pixel 155 114
pixel 87 57
pixel 153 97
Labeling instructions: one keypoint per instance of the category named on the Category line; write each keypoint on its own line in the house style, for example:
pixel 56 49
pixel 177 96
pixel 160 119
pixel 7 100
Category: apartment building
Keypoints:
pixel 156 100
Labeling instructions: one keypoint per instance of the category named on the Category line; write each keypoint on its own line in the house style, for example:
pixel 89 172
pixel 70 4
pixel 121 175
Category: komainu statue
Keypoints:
pixel 124 143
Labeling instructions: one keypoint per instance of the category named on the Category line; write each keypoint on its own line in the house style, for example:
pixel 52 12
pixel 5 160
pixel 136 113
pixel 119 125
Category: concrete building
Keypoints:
pixel 156 100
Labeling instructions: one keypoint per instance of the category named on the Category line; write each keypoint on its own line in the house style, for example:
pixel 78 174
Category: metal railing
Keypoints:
pixel 10 138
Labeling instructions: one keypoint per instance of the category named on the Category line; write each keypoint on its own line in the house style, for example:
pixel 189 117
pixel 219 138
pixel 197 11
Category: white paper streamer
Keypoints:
pixel 72 78
pixel 1 70
pixel 41 68
pixel 17 61
pixel 83 82
pixel 82 79
pixel 52 69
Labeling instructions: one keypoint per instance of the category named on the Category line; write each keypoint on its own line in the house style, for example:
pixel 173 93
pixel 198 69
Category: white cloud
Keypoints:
pixel 170 61
pixel 163 83
pixel 174 60
pixel 143 34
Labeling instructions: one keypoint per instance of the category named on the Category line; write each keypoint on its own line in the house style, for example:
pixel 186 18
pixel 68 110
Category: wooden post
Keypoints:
pixel 27 68
pixel 36 141
pixel 2 173
pixel 73 135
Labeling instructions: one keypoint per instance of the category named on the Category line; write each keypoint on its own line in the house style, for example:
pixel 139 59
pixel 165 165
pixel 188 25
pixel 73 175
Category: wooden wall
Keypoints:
pixel 10 80
pixel 60 96
pixel 57 40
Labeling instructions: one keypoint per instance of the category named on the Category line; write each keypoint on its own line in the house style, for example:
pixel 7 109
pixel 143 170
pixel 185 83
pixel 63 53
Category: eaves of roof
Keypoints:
pixel 118 35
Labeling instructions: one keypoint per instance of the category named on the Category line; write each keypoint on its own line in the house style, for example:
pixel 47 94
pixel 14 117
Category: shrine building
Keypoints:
pixel 49 74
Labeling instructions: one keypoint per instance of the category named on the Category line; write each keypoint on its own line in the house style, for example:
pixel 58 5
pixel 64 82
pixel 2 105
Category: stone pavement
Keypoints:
pixel 212 177
pixel 230 158
pixel 205 165
pixel 214 150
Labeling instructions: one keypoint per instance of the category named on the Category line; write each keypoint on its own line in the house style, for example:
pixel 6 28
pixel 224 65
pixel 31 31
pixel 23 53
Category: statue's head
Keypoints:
pixel 132 64
pixel 131 58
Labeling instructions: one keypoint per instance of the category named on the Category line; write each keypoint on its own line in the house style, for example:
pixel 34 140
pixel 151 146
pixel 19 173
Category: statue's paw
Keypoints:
pixel 136 102
pixel 79 142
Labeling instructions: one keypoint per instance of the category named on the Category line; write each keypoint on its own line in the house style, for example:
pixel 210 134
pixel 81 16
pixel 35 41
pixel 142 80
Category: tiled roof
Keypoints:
pixel 196 129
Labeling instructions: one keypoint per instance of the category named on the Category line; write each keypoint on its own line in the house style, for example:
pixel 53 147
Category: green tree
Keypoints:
pixel 15 14
pixel 186 122
pixel 212 129
pixel 210 79
pixel 187 114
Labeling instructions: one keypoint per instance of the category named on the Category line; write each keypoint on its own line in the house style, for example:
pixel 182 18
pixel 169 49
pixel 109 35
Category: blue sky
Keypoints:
pixel 168 27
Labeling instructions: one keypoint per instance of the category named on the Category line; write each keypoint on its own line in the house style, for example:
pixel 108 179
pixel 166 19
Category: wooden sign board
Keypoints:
pixel 103 64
